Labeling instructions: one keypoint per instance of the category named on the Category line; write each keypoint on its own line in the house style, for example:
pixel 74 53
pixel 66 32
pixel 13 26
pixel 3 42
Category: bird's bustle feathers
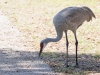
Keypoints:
pixel 89 12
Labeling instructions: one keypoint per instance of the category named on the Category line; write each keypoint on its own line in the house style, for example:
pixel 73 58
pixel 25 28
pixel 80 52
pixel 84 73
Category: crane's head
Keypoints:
pixel 42 46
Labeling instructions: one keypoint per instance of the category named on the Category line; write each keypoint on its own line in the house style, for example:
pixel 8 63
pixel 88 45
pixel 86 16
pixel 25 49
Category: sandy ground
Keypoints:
pixel 16 55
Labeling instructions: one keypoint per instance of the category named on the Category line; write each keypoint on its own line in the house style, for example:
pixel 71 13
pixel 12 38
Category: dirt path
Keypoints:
pixel 15 57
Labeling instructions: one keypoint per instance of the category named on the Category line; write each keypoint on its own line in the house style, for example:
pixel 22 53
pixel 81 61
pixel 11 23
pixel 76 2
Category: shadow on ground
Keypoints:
pixel 88 63
pixel 18 62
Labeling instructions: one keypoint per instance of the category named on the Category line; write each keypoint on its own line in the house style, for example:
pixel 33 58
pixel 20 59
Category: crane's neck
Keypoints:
pixel 47 40
pixel 59 36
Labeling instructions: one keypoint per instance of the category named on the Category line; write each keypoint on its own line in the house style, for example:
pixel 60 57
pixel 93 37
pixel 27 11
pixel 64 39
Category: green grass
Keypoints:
pixel 96 54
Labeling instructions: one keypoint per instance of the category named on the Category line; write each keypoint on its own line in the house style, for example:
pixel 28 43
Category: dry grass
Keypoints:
pixel 34 18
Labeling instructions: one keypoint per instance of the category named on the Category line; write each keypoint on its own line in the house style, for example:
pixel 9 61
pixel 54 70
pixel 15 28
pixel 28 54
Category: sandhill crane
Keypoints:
pixel 68 19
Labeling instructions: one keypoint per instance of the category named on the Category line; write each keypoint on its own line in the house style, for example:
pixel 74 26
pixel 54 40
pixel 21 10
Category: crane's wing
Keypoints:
pixel 77 15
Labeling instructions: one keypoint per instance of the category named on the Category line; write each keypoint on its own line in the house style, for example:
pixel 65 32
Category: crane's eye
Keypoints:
pixel 41 45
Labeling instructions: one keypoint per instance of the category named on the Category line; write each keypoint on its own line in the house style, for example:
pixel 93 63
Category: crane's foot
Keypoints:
pixel 67 65
pixel 76 66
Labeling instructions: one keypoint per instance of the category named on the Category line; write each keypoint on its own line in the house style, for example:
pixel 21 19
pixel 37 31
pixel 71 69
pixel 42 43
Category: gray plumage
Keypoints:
pixel 69 19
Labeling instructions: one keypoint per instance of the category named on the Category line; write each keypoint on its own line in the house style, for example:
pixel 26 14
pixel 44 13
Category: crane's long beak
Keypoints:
pixel 40 51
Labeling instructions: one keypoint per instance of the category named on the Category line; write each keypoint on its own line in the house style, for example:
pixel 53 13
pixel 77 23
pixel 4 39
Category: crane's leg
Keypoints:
pixel 67 43
pixel 76 48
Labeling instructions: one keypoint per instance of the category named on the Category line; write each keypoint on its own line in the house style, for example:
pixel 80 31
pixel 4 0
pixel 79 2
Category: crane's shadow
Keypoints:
pixel 87 62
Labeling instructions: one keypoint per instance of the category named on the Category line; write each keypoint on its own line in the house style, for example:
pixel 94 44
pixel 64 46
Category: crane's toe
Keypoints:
pixel 67 65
